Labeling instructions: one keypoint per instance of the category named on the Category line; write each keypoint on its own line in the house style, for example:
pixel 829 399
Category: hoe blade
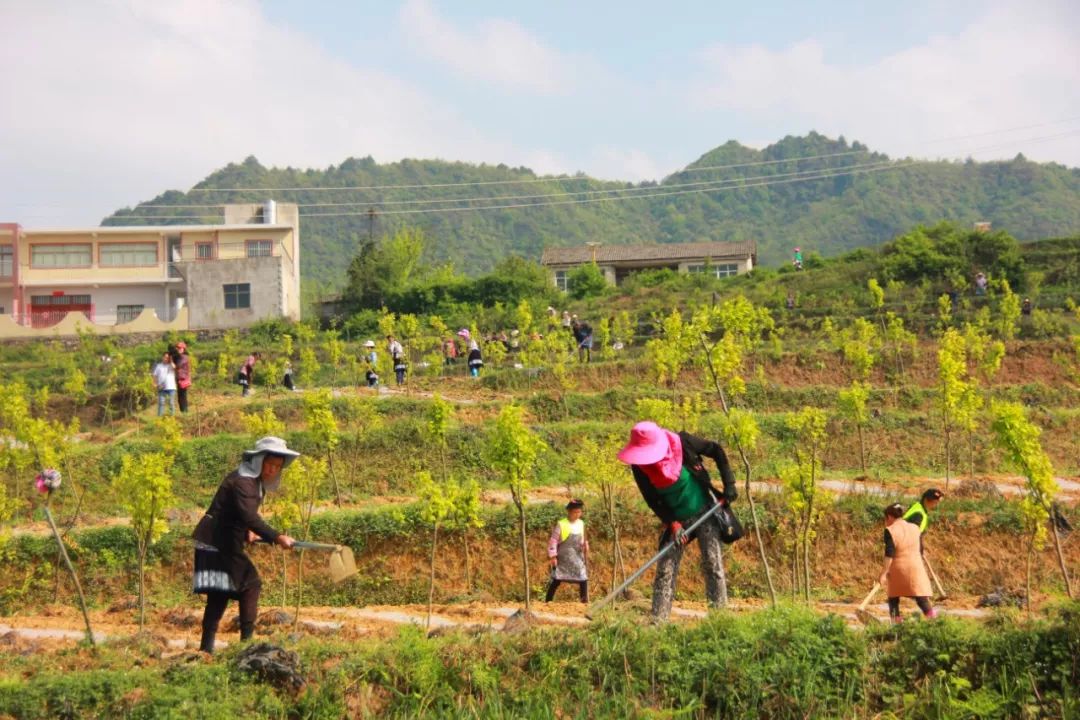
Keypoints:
pixel 342 564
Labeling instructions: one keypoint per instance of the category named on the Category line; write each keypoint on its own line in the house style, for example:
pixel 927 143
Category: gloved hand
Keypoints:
pixel 677 533
pixel 730 494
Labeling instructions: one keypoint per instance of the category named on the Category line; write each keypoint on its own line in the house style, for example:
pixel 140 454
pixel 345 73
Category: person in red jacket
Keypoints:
pixel 182 361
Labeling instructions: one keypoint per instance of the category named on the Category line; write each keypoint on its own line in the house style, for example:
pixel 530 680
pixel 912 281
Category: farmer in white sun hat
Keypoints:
pixel 223 571
pixel 372 359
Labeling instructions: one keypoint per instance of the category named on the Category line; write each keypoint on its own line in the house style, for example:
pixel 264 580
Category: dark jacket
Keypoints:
pixel 233 511
pixel 693 449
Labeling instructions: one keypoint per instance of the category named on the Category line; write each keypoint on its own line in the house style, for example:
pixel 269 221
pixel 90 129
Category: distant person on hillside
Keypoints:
pixel 397 355
pixel 372 359
pixel 567 321
pixel 474 357
pixel 568 552
pixel 796 259
pixel 1025 309
pixel 903 574
pixel 583 336
pixel 165 381
pixel 182 362
pixel 287 378
pixel 669 469
pixel 789 303
pixel 919 512
pixel 980 283
pixel 246 376
pixel 449 349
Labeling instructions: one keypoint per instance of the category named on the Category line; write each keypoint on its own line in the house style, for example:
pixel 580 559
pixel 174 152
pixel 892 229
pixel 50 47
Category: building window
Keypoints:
pixel 260 248
pixel 204 251
pixel 60 300
pixel 717 271
pixel 7 258
pixel 127 313
pixel 561 280
pixel 61 256
pixel 128 254
pixel 237 296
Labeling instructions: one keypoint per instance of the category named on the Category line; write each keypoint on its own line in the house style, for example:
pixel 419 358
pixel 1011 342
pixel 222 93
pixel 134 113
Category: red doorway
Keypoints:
pixel 47 310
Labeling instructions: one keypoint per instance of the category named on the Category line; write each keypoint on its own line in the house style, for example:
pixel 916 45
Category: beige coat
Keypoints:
pixel 907 574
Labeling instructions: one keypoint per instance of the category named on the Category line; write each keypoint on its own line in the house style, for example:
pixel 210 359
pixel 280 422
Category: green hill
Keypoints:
pixel 851 197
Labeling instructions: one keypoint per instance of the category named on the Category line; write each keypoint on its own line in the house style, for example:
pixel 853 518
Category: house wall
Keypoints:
pixel 231 246
pixel 75 323
pixel 745 265
pixel 613 271
pixel 206 294
pixel 275 280
pixel 105 299
pixel 94 272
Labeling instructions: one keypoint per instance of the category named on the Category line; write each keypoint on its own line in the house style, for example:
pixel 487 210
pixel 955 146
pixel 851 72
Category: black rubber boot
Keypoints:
pixel 207 643
pixel 247 629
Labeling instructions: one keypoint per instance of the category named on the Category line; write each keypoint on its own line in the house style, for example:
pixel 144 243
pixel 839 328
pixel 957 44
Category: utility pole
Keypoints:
pixel 371 225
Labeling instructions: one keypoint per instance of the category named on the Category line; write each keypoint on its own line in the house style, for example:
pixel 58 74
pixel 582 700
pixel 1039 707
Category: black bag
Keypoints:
pixel 730 527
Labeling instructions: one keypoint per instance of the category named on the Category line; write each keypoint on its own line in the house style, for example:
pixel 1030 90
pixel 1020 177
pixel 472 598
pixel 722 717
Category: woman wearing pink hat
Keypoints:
pixel 183 374
pixel 671 476
pixel 475 359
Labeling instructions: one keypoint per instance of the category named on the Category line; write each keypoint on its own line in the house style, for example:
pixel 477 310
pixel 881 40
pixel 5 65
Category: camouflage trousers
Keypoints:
pixel 712 568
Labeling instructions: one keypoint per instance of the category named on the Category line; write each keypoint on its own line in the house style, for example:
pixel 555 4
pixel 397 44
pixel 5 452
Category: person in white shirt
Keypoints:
pixel 397 354
pixel 165 381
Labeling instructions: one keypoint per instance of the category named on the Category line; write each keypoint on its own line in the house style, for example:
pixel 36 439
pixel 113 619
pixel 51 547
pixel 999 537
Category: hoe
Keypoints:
pixel 342 562
pixel 655 558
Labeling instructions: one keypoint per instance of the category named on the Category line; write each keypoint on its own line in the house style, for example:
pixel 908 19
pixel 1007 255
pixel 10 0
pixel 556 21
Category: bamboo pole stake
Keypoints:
pixel 71 569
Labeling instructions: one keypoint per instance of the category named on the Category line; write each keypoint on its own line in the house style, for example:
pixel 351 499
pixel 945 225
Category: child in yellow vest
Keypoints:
pixel 568 552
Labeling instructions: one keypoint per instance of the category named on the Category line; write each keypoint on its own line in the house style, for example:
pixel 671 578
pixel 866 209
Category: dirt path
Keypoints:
pixel 1010 486
pixel 177 629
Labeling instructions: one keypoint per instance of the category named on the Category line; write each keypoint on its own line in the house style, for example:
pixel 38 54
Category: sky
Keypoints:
pixel 106 103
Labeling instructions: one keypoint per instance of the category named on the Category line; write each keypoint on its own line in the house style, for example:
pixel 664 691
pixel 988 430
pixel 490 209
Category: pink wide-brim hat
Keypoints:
pixel 648 444
pixel 464 332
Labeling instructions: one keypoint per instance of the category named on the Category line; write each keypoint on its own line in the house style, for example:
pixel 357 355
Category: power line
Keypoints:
pixel 758 163
pixel 712 185
pixel 581 192
pixel 565 178
pixel 510 197
pixel 715 185
pixel 583 201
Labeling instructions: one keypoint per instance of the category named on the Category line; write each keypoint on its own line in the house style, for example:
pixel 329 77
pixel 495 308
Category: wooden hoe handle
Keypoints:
pixel 869 595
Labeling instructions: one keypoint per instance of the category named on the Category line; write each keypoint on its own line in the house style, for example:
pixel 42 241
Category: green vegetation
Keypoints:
pixel 827 410
pixel 827 216
pixel 782 664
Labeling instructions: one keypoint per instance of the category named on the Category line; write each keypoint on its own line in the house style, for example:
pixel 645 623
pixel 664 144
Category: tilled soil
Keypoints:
pixel 177 629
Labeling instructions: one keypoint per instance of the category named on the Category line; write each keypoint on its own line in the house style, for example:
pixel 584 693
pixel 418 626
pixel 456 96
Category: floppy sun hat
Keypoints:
pixel 271 445
pixel 369 343
pixel 464 332
pixel 648 444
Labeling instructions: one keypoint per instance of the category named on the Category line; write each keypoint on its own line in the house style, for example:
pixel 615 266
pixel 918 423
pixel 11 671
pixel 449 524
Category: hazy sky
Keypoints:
pixel 104 103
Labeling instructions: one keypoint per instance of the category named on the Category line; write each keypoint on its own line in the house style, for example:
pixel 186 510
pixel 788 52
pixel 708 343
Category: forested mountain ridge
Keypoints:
pixel 822 194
